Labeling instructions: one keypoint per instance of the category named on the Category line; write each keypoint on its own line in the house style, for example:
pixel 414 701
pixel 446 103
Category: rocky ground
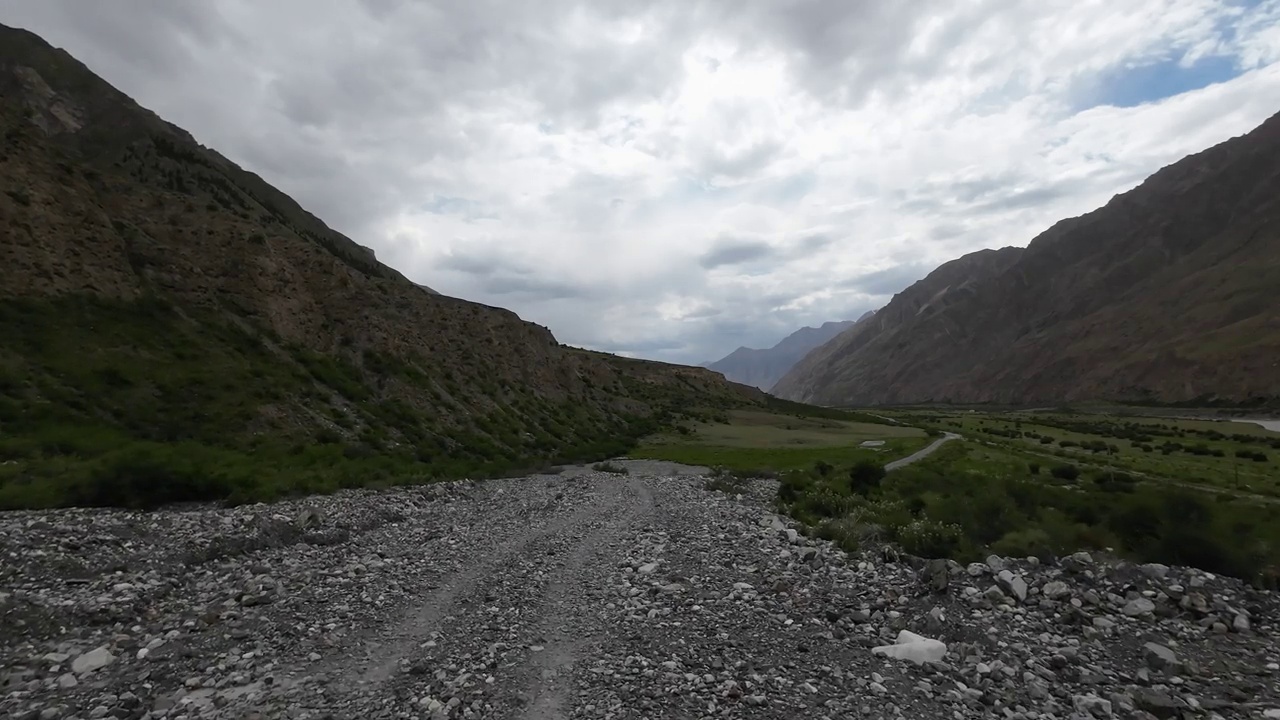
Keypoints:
pixel 591 595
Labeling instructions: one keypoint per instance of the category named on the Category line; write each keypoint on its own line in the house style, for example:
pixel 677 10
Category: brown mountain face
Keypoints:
pixel 1167 294
pixel 151 287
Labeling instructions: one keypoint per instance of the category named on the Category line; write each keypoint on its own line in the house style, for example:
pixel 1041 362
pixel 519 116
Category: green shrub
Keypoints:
pixel 846 533
pixel 827 502
pixel 929 539
pixel 1023 543
pixel 1065 472
pixel 865 476
pixel 1033 468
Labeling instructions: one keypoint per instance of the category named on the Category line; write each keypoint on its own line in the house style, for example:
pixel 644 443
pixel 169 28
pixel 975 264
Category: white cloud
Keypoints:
pixel 675 179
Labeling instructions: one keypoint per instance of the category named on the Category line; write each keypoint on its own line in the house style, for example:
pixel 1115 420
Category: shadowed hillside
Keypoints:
pixel 166 312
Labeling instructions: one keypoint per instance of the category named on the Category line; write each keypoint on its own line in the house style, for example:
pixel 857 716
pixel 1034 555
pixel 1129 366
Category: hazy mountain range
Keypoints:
pixel 763 368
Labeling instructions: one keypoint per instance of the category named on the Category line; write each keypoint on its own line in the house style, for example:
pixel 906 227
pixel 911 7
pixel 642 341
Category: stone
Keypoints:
pixel 1055 590
pixel 995 563
pixel 95 659
pixel 1158 703
pixel 647 568
pixel 1160 657
pixel 1155 571
pixel 914 648
pixel 1078 562
pixel 1139 606
pixel 936 575
pixel 67 681
pixel 307 518
pixel 1092 705
pixel 1012 584
pixel 1240 624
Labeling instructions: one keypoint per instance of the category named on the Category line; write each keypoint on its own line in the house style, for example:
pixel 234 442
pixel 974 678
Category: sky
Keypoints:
pixel 673 179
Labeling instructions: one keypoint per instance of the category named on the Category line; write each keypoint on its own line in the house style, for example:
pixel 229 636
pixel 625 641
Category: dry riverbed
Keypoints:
pixel 589 595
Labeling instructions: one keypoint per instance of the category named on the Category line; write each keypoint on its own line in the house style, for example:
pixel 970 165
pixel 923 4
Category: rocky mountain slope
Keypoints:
pixel 763 368
pixel 593 596
pixel 1166 294
pixel 152 291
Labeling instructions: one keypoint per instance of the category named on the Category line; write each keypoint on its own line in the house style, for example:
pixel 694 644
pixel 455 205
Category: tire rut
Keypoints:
pixel 549 675
pixel 408 633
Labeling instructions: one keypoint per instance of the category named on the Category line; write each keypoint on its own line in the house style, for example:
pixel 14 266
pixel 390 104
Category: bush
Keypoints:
pixel 145 476
pixel 929 539
pixel 847 533
pixel 1023 543
pixel 1114 482
pixel 1065 472
pixel 1033 468
pixel 827 502
pixel 792 486
pixel 865 475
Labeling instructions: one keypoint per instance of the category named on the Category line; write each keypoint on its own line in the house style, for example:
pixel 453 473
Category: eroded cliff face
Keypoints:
pixel 102 203
pixel 1164 294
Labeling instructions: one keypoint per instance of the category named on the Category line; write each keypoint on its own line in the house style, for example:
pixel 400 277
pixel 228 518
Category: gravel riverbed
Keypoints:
pixel 590 595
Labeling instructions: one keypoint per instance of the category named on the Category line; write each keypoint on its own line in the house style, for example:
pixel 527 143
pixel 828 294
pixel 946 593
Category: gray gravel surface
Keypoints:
pixel 923 452
pixel 590 595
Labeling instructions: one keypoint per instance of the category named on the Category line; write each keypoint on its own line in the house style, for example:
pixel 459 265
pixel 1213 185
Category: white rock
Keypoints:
pixel 93 660
pixel 1055 589
pixel 915 648
pixel 1012 584
pixel 1140 606
pixel 1154 570
pixel 67 680
pixel 648 568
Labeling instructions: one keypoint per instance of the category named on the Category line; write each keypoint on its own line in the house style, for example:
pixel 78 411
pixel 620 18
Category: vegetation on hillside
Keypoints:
pixel 143 403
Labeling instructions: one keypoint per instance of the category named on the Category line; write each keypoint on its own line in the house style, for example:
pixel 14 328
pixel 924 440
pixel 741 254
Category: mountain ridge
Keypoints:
pixel 153 291
pixel 1161 295
pixel 763 367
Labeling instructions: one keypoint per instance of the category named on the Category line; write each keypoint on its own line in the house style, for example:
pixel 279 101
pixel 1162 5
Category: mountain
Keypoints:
pixel 154 296
pixel 763 368
pixel 1167 294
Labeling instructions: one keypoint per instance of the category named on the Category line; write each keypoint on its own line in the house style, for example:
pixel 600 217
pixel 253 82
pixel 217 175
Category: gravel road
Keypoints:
pixel 923 452
pixel 588 595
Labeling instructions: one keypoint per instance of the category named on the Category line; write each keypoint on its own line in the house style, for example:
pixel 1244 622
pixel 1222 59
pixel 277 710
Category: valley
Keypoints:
pixel 250 471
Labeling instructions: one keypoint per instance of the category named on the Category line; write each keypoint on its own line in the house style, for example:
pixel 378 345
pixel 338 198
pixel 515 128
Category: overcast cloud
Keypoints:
pixel 676 178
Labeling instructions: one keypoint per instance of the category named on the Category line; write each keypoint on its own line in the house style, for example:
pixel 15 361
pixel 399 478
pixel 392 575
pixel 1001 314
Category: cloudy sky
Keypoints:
pixel 672 179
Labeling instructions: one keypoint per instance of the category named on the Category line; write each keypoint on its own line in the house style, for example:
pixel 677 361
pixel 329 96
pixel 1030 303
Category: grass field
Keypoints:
pixel 763 440
pixel 1240 458
pixel 1187 492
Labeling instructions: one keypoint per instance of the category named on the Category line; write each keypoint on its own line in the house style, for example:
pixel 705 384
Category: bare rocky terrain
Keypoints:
pixel 591 595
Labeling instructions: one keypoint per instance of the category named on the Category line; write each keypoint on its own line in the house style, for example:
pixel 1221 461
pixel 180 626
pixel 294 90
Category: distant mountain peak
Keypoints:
pixel 763 367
